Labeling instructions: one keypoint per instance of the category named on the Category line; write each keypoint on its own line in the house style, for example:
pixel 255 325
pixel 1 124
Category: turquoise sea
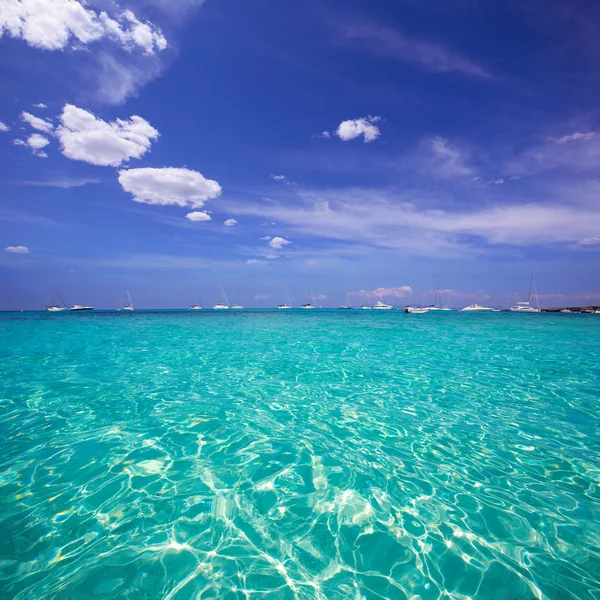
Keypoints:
pixel 299 454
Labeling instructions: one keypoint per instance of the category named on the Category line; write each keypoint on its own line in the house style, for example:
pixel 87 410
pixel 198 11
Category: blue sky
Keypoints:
pixel 385 148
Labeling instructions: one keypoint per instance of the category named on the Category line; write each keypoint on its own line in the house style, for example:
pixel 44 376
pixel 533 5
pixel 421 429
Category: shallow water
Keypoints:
pixel 299 454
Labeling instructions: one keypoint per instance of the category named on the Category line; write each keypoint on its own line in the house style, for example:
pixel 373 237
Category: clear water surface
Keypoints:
pixel 299 454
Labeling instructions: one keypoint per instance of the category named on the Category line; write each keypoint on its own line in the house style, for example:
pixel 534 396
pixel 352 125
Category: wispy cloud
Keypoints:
pixel 427 55
pixel 64 184
pixel 401 291
pixel 15 216
pixel 396 219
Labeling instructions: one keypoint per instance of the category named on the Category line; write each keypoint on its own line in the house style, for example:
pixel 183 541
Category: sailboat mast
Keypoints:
pixel 223 297
pixel 533 291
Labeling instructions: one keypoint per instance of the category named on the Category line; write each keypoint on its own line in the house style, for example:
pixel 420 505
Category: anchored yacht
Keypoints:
pixel 528 307
pixel 129 306
pixel 77 307
pixel 379 305
pixel 477 308
pixel 287 303
pixel 346 306
pixel 196 306
pixel 239 305
pixel 58 307
pixel 414 310
pixel 222 304
pixel 310 303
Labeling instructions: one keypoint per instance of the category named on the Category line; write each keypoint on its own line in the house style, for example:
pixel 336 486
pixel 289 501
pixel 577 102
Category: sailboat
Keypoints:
pixel 222 304
pixel 528 307
pixel 437 303
pixel 197 306
pixel 346 306
pixel 59 306
pixel 239 304
pixel 130 305
pixel 310 298
pixel 287 303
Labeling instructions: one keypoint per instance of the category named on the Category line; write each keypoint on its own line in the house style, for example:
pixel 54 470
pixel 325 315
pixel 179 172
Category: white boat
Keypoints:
pixel 239 305
pixel 347 306
pixel 58 307
pixel 309 304
pixel 196 306
pixel 566 310
pixel 365 307
pixel 414 310
pixel 77 307
pixel 130 305
pixel 379 305
pixel 287 303
pixel 222 304
pixel 437 304
pixel 528 307
pixel 477 308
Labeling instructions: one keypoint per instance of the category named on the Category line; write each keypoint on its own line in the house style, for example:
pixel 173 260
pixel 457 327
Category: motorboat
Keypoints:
pixel 79 307
pixel 478 308
pixel 414 310
pixel 379 305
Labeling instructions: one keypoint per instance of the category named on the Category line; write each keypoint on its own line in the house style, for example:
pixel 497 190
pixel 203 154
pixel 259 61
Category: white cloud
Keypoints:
pixel 85 137
pixel 278 242
pixel 37 123
pixel 319 297
pixel 198 216
pixel 353 128
pixel 40 105
pixel 17 249
pixel 254 261
pixel 406 221
pixel 169 186
pixel 230 222
pixel 58 24
pixel 4 127
pixel 261 297
pixel 383 292
pixel 324 134
pixel 574 137
pixel 281 178
pixel 36 141
pixel 590 241
pixel 266 238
